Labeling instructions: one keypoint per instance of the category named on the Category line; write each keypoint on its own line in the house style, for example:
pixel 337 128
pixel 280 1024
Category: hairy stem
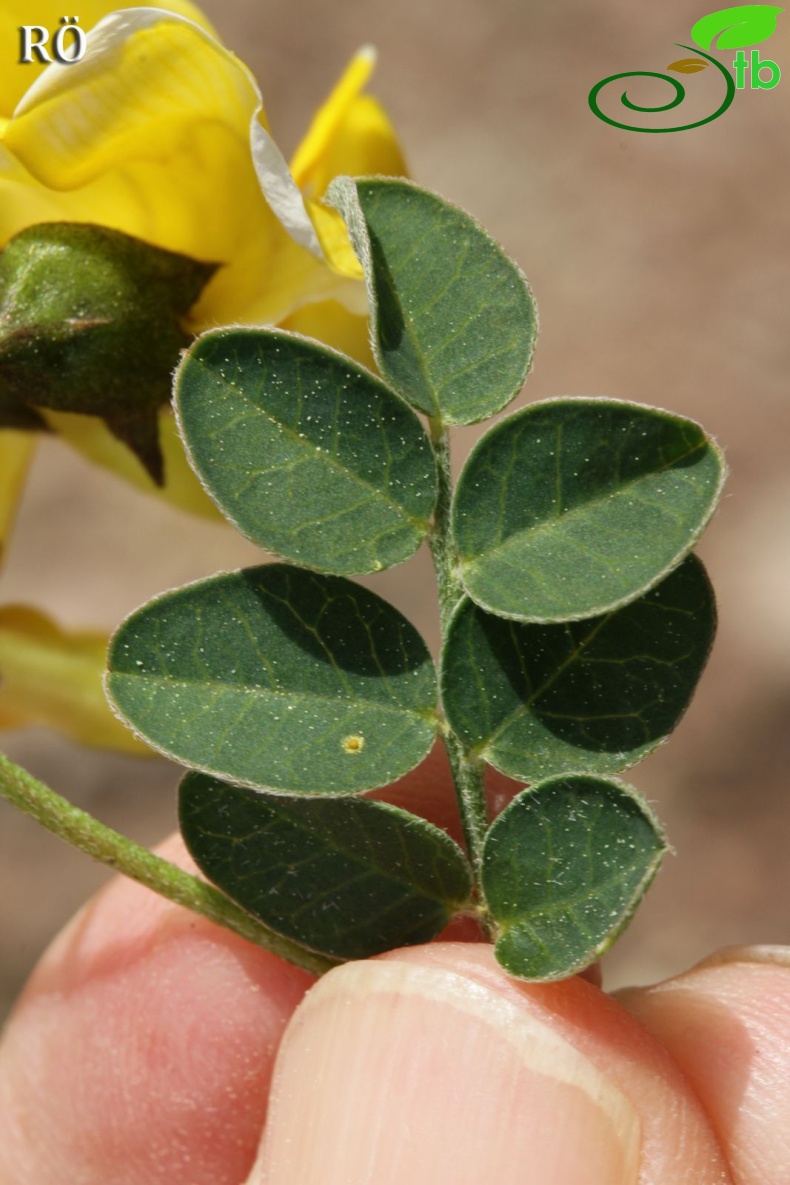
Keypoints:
pixel 440 538
pixel 467 772
pixel 79 828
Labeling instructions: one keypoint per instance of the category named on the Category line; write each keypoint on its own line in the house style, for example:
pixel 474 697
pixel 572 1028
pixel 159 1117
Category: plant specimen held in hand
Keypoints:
pixel 575 621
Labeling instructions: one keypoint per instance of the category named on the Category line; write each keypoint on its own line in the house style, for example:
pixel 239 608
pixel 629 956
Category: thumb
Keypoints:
pixel 429 1065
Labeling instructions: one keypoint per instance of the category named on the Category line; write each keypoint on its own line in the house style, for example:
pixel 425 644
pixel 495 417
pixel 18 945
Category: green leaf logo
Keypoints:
pixel 746 24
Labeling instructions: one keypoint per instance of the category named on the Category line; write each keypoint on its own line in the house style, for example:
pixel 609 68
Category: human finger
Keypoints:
pixel 726 1023
pixel 431 1066
pixel 142 1048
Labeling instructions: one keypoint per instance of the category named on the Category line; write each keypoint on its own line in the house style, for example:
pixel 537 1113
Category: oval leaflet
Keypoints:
pixel 263 677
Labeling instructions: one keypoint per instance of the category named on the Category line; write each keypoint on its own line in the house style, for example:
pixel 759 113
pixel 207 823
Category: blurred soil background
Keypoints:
pixel 657 264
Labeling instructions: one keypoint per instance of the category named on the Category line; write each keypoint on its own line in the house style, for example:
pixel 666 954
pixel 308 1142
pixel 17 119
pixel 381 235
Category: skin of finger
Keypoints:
pixel 726 1022
pixel 677 1146
pixel 141 1050
pixel 144 1018
pixel 571 1041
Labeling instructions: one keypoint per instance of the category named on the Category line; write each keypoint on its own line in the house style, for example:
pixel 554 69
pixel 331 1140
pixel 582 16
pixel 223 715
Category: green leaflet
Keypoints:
pixel 278 678
pixel 307 453
pixel 573 507
pixel 564 867
pixel 453 319
pixel 347 877
pixel 598 695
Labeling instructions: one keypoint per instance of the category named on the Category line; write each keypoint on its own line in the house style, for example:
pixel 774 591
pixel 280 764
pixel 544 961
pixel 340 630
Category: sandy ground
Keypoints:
pixel 656 261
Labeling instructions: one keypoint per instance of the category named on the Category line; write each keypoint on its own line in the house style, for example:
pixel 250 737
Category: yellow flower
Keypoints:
pixel 159 131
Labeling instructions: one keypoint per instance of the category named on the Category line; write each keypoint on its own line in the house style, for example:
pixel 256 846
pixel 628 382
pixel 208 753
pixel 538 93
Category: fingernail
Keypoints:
pixel 393 1072
pixel 775 956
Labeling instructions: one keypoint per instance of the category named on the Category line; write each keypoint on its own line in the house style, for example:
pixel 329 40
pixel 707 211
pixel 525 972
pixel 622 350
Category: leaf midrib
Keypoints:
pixel 370 866
pixel 517 537
pixel 525 707
pixel 267 691
pixel 570 903
pixel 304 442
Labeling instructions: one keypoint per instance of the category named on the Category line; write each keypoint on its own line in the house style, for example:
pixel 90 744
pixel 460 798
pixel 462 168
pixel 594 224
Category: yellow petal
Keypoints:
pixel 157 132
pixel 144 72
pixel 330 322
pixel 16 76
pixel 350 134
pixel 24 201
pixel 307 160
pixel 48 676
pixel 334 240
pixel 91 437
pixel 16 450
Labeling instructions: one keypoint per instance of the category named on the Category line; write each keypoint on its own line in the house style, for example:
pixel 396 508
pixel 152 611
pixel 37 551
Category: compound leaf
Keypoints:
pixel 745 24
pixel 453 319
pixel 564 867
pixel 278 678
pixel 347 877
pixel 573 507
pixel 307 453
pixel 598 695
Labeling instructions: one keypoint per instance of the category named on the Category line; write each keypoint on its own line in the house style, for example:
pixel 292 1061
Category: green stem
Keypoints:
pixel 79 828
pixel 467 771
pixel 470 792
pixel 440 539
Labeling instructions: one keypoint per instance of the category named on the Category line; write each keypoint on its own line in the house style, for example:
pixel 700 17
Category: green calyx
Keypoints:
pixel 91 321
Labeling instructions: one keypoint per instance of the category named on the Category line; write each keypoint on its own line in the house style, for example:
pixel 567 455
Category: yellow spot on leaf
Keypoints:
pixel 354 744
